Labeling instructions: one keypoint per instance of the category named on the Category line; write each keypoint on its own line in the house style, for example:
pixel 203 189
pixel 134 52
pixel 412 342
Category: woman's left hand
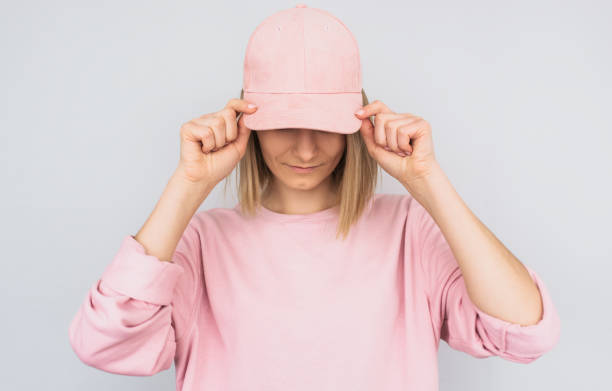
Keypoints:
pixel 400 143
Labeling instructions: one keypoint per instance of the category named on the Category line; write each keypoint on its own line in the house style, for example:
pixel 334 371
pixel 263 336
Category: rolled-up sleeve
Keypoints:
pixel 132 317
pixel 141 276
pixel 460 322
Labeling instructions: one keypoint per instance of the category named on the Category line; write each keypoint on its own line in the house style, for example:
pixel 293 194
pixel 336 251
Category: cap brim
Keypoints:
pixel 331 112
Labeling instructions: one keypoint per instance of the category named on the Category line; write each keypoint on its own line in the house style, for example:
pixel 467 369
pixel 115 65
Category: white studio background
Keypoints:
pixel 93 94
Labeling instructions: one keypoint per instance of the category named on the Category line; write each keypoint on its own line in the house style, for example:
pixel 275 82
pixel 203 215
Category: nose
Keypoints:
pixel 305 144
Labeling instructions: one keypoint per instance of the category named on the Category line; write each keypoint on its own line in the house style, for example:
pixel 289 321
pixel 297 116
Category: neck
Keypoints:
pixel 282 199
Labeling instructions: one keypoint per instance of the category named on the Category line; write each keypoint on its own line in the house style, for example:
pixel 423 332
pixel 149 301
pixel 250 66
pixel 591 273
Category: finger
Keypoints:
pixel 241 106
pixel 380 133
pixel 197 138
pixel 396 140
pixel 403 140
pixel 231 127
pixel 207 135
pixel 391 136
pixel 367 133
pixel 374 108
pixel 219 127
pixel 217 124
pixel 243 136
pixel 408 135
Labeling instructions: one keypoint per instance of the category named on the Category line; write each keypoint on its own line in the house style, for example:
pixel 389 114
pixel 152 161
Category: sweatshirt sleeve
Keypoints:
pixel 132 317
pixel 463 325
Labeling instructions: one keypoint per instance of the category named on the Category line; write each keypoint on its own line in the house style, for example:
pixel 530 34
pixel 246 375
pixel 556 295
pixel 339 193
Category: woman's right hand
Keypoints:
pixel 212 145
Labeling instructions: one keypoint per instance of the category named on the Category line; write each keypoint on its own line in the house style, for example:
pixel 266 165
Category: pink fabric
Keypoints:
pixel 303 70
pixel 275 302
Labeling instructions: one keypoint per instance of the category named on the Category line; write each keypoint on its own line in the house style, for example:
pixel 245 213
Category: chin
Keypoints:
pixel 302 182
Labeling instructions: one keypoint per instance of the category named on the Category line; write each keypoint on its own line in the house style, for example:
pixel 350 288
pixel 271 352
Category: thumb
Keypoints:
pixel 243 135
pixel 367 133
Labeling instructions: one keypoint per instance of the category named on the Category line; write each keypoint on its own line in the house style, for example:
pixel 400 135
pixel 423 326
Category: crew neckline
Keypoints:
pixel 321 215
pixel 268 214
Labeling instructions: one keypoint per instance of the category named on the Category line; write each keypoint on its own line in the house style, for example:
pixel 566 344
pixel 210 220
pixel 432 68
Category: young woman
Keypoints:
pixel 312 281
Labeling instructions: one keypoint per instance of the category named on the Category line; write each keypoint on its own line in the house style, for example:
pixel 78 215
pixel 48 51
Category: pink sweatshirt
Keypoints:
pixel 277 303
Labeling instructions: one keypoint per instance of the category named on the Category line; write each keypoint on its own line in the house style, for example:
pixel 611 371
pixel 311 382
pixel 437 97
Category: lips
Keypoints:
pixel 304 167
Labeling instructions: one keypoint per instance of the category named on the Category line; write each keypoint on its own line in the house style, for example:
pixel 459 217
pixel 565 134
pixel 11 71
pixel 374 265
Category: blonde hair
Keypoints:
pixel 355 178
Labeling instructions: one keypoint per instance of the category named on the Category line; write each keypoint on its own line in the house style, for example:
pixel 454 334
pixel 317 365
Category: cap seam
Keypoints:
pixel 304 51
pixel 350 33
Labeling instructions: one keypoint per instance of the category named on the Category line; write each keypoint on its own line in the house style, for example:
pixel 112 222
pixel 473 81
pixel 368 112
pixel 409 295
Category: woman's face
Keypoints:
pixel 283 148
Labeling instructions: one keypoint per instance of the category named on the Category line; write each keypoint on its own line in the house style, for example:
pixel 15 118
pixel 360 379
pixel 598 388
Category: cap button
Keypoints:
pixel 301 5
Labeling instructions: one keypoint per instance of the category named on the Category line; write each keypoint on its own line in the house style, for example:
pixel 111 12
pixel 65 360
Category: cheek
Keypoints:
pixel 272 146
pixel 335 147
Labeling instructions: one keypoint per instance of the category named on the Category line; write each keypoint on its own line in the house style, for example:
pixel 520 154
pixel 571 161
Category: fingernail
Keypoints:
pixel 251 105
pixel 359 112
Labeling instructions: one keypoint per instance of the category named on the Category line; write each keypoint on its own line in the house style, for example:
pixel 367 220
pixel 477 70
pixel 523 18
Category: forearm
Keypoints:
pixel 496 281
pixel 163 229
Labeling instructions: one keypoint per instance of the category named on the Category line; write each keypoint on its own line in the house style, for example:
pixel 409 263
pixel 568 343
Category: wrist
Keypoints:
pixel 425 188
pixel 190 191
pixel 181 179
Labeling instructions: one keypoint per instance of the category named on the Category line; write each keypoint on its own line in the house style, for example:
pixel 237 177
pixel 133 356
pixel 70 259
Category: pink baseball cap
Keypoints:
pixel 302 70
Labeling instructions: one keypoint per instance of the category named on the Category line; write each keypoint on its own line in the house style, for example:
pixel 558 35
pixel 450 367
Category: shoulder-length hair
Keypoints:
pixel 355 178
